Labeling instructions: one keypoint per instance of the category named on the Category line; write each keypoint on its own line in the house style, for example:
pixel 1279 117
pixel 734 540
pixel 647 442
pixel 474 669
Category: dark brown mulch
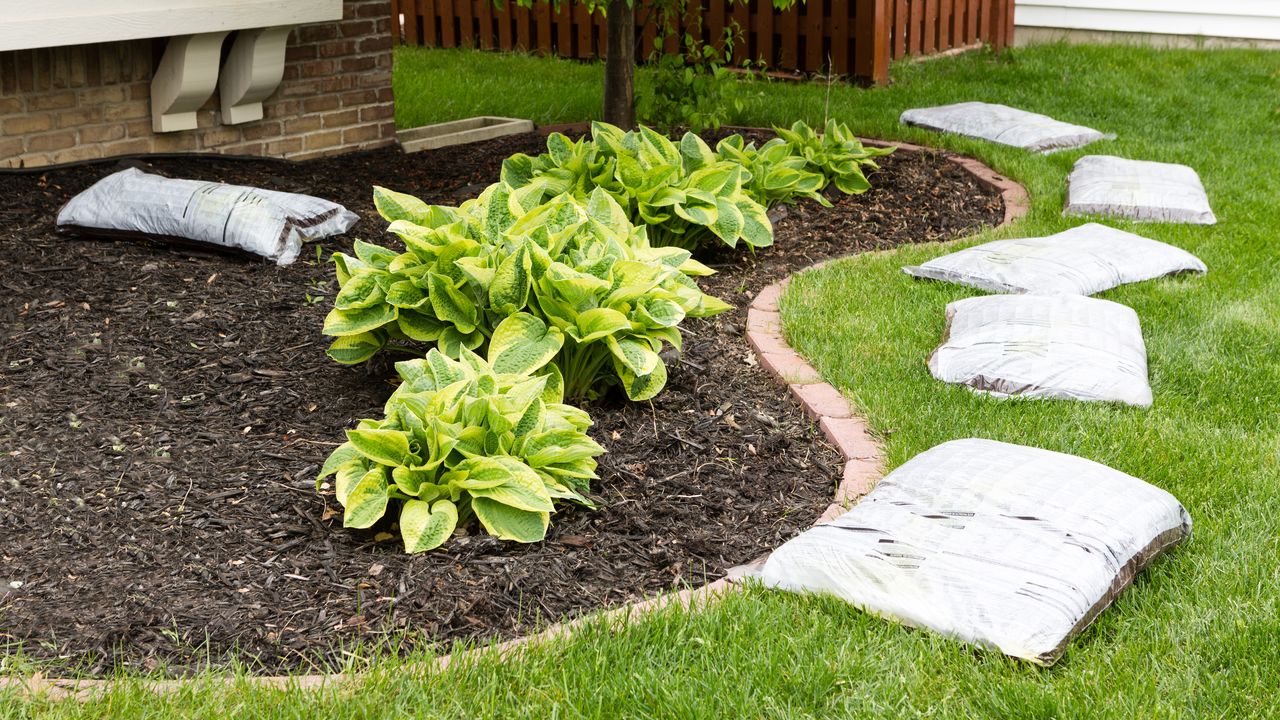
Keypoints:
pixel 163 414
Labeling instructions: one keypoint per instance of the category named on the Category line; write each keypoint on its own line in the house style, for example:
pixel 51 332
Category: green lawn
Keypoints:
pixel 1199 633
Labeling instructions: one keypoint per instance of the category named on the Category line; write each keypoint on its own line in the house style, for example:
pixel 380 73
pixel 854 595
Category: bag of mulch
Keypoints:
pixel 1138 190
pixel 1081 261
pixel 1003 124
pixel 1003 546
pixel 131 203
pixel 1044 346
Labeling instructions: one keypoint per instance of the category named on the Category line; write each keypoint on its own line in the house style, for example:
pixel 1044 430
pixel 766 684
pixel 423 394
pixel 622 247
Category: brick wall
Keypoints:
pixel 82 102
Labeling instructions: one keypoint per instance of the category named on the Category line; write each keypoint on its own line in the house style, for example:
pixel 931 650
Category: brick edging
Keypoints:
pixel 823 403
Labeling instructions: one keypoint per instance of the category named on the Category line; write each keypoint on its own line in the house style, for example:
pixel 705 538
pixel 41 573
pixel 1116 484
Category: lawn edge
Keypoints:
pixel 825 405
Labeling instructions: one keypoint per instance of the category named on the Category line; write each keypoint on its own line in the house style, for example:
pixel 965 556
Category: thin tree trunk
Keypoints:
pixel 620 65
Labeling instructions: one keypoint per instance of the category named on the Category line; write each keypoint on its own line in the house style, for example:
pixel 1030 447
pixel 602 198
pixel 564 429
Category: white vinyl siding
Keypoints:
pixel 1248 19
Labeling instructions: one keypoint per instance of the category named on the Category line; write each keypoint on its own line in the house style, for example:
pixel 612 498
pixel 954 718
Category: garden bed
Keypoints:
pixel 163 414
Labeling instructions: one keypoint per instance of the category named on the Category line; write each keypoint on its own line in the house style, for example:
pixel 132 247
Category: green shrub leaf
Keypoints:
pixel 508 523
pixel 426 526
pixel 367 502
pixel 521 344
pixel 388 447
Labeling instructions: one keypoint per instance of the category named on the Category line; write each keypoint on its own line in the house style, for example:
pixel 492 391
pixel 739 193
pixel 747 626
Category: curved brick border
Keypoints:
pixel 825 405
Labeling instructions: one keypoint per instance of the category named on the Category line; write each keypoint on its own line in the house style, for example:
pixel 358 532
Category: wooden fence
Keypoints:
pixel 855 38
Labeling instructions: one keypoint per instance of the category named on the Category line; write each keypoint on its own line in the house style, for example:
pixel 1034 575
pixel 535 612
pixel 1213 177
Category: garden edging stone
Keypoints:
pixel 825 404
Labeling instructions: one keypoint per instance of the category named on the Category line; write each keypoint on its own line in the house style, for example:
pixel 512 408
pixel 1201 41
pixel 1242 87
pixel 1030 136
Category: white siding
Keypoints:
pixel 53 23
pixel 1250 19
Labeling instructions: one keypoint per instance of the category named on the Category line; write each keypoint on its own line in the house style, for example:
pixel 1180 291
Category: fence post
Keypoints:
pixel 871 40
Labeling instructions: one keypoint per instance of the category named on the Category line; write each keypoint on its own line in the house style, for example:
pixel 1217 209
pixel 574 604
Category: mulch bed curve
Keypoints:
pixel 163 413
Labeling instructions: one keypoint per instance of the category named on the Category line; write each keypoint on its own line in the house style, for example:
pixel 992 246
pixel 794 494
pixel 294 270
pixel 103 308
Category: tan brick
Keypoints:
pixel 10 105
pixel 33 160
pixel 262 130
pixel 78 118
pixel 377 112
pixel 130 110
pixel 76 154
pixel 27 124
pixel 140 91
pixel 10 147
pixel 52 101
pixel 361 133
pixel 321 103
pixel 98 95
pixel 302 124
pixel 281 109
pixel 280 148
pixel 326 139
pixel 214 137
pixel 51 141
pixel 175 142
pixel 101 133
pixel 356 98
pixel 127 147
pixel 138 128
pixel 249 148
pixel 341 118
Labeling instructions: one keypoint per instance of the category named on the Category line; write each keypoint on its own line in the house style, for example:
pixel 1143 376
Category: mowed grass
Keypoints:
pixel 1198 635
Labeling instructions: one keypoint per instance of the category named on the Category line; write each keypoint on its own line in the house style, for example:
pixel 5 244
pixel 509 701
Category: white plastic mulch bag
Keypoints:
pixel 263 222
pixel 1044 346
pixel 1004 546
pixel 1081 261
pixel 1004 125
pixel 1137 189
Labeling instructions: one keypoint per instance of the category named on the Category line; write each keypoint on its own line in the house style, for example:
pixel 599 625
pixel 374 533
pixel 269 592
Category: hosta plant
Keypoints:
pixel 470 438
pixel 685 194
pixel 836 153
pixel 778 175
pixel 579 268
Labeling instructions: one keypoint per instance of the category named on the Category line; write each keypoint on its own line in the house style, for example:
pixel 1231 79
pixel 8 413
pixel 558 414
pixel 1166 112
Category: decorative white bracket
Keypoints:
pixel 187 76
pixel 252 72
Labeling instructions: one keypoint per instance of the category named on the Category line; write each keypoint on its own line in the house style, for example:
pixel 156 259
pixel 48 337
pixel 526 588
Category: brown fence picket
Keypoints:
pixel 855 38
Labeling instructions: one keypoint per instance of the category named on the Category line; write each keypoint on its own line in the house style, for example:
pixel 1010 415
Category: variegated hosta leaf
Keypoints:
pixel 426 526
pixel 521 344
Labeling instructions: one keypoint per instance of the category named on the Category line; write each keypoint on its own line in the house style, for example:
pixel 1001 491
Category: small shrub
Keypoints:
pixel 462 438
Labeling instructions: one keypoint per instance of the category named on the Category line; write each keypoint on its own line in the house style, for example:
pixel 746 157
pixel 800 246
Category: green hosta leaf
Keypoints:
pixel 355 349
pixel 698 210
pixel 558 446
pixel 522 490
pixel 641 387
pixel 757 231
pixel 347 477
pixel 517 170
pixel 602 208
pixel 522 344
pixel 599 323
pixel 340 323
pixel 372 255
pixel 394 206
pixel 509 291
pixel 451 305
pixel 409 481
pixel 508 523
pixel 426 526
pixel 345 453
pixel 709 306
pixel 420 326
pixel 695 152
pixel 344 266
pixel 389 447
pixel 636 356
pixel 659 312
pixel 367 502
pixel 361 291
pixel 553 392
pixel 406 295
pixel 853 183
pixel 729 222
pixel 452 342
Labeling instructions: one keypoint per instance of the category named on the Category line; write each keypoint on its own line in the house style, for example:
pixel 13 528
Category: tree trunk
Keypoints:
pixel 620 65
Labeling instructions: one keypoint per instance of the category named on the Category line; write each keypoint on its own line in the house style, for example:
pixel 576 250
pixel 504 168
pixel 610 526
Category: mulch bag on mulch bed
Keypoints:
pixel 1081 261
pixel 1044 346
pixel 1003 546
pixel 1137 190
pixel 131 203
pixel 1004 125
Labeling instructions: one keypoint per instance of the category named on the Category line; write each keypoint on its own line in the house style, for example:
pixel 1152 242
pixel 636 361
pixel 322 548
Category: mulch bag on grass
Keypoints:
pixel 1003 546
pixel 131 203
pixel 1138 190
pixel 1081 261
pixel 1003 124
pixel 1044 346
